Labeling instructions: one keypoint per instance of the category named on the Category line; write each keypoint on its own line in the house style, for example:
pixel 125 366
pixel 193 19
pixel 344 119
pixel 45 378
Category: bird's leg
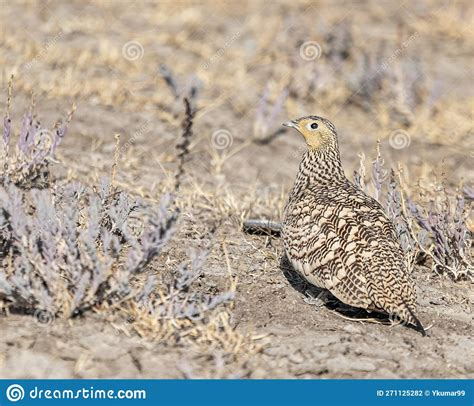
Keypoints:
pixel 318 300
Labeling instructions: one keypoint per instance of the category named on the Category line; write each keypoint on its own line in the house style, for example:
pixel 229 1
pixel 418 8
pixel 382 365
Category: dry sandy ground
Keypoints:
pixel 300 339
pixel 304 340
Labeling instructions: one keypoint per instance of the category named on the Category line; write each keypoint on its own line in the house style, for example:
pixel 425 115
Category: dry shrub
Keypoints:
pixel 436 226
pixel 26 162
pixel 67 248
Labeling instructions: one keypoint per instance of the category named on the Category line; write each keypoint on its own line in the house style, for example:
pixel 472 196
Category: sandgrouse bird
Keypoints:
pixel 339 238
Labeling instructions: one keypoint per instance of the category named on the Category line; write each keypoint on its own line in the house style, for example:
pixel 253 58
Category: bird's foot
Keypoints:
pixel 316 300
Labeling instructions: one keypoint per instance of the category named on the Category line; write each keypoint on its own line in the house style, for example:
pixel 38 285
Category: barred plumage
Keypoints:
pixel 339 238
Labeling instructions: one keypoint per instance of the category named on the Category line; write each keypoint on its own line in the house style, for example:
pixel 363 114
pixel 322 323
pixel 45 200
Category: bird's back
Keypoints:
pixel 340 239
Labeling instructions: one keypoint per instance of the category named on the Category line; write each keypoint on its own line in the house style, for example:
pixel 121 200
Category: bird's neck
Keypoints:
pixel 320 167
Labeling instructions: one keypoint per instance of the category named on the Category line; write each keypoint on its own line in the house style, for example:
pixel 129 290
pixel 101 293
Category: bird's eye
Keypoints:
pixel 314 126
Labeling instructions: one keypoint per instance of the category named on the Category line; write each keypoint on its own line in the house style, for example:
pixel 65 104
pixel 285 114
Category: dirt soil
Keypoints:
pixel 299 336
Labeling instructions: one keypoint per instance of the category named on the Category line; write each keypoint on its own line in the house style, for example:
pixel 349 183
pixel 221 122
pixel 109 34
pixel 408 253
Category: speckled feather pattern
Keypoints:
pixel 340 239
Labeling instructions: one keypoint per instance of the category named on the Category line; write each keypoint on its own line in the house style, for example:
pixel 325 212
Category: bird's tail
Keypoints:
pixel 413 319
pixel 263 226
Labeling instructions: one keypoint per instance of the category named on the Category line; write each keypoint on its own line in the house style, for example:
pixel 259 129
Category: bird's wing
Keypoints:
pixel 389 284
pixel 346 244
pixel 319 244
pixel 367 243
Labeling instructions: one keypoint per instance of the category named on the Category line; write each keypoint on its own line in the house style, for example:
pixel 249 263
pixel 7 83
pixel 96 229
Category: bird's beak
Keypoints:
pixel 291 124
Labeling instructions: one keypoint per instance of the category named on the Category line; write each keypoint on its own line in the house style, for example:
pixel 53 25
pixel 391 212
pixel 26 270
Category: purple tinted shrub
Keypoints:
pixel 170 80
pixel 445 222
pixel 340 43
pixel 387 190
pixel 26 162
pixel 437 229
pixel 60 254
pixel 68 248
pixel 468 193
pixel 366 82
pixel 177 299
pixel 359 174
pixel 395 211
pixel 379 174
pixel 181 88
pixel 175 305
pixel 159 231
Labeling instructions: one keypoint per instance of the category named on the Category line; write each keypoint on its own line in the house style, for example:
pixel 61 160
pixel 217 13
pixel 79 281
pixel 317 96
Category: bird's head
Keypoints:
pixel 317 131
